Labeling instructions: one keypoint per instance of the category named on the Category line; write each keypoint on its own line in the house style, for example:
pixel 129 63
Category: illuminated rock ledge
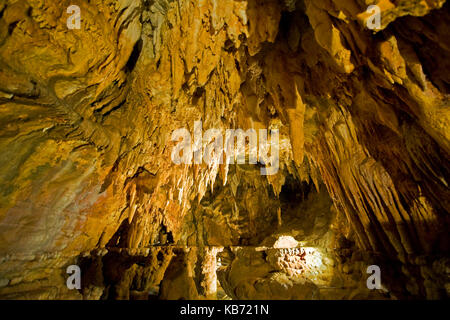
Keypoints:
pixel 86 176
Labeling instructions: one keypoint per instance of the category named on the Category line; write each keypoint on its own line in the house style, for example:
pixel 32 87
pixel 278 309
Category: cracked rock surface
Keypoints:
pixel 87 178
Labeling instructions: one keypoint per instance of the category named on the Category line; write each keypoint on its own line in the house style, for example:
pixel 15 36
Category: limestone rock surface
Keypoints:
pixel 87 177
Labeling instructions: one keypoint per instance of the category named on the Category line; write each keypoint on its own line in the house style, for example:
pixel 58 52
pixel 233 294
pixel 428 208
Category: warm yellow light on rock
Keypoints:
pixel 285 242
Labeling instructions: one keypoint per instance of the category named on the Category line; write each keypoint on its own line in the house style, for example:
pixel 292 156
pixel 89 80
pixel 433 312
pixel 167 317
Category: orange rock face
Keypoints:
pixel 86 170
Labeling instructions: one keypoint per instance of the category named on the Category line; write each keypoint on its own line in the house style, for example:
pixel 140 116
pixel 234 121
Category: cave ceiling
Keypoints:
pixel 87 170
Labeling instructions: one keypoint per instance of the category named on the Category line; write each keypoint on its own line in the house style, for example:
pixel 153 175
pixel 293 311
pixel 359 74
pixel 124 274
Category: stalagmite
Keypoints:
pixel 115 128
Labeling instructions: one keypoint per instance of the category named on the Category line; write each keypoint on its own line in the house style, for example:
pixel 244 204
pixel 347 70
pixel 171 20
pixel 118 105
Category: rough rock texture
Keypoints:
pixel 86 175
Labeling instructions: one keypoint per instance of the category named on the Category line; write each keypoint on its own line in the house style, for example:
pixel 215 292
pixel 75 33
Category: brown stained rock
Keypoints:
pixel 86 176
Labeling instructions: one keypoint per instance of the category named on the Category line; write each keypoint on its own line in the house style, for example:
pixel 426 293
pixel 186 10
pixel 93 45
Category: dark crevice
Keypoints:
pixel 134 57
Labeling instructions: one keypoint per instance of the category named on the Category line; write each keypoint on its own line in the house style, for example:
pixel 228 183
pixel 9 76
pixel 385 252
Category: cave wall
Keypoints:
pixel 86 121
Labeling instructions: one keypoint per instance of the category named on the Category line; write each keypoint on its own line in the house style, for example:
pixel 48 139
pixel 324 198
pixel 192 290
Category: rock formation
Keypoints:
pixel 86 170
